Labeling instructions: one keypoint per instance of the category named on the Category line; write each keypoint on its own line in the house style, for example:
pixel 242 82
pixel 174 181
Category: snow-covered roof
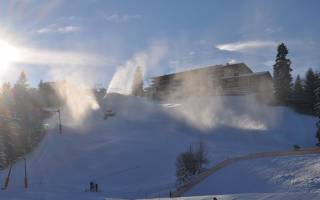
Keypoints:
pixel 265 73
pixel 203 69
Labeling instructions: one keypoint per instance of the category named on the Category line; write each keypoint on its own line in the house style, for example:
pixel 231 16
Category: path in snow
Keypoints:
pixel 188 186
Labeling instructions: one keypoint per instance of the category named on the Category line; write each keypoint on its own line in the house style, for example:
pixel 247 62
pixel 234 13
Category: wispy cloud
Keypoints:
pixel 243 46
pixel 117 18
pixel 60 58
pixel 68 29
pixel 232 61
pixel 54 28
pixel 272 30
pixel 69 18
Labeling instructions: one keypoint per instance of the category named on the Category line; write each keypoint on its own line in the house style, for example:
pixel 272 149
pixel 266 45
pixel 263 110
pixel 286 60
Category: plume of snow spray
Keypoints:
pixel 75 91
pixel 122 79
pixel 205 108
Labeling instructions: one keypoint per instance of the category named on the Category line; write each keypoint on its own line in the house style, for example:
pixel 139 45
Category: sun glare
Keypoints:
pixel 8 55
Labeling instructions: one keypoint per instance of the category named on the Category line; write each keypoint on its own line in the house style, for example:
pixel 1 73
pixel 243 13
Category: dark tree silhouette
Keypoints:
pixel 298 88
pixel 21 120
pixel 310 87
pixel 22 81
pixel 192 162
pixel 317 107
pixel 281 76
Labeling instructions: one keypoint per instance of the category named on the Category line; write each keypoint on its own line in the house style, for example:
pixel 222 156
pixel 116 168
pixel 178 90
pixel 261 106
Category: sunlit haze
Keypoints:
pixel 9 55
pixel 160 99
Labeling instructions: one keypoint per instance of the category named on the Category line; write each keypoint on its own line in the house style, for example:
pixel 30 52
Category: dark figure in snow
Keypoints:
pixel 96 187
pixel 92 186
pixel 214 198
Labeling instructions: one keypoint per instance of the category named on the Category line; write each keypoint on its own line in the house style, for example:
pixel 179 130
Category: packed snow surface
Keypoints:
pixel 132 154
pixel 280 175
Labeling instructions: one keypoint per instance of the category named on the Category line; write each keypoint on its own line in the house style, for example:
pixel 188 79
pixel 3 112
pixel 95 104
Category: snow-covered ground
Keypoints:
pixel 132 155
pixel 255 196
pixel 272 175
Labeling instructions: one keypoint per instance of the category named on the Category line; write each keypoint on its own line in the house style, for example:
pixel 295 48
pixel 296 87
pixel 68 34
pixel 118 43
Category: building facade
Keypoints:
pixel 229 79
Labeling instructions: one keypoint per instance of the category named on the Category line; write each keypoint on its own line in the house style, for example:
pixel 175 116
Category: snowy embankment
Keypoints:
pixel 255 196
pixel 132 155
pixel 272 175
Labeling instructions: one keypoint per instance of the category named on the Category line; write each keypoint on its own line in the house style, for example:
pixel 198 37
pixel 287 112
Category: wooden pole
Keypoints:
pixel 6 183
pixel 25 174
pixel 60 126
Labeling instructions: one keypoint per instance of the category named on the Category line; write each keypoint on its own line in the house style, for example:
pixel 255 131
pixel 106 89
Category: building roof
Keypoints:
pixel 265 73
pixel 203 70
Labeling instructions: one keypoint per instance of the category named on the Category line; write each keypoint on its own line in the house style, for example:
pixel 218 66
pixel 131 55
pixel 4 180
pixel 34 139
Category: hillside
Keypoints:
pixel 132 155
pixel 266 175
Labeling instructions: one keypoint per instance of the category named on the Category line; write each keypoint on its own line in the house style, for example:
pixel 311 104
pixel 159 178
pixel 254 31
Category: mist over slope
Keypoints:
pixel 132 155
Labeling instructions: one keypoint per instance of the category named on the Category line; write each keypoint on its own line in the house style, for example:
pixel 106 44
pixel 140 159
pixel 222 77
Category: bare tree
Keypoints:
pixel 192 162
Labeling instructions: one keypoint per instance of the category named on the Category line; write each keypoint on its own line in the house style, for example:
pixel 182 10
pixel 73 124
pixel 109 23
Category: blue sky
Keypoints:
pixel 93 38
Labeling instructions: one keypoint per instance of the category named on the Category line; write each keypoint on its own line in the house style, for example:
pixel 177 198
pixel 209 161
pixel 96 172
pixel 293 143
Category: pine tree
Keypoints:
pixel 298 88
pixel 137 83
pixel 23 108
pixel 281 75
pixel 21 120
pixel 3 153
pixel 9 140
pixel 310 87
pixel 22 81
pixel 317 106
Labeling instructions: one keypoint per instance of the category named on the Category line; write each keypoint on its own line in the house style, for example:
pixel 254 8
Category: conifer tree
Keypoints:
pixel 23 109
pixel 3 155
pixel 21 121
pixel 281 75
pixel 317 107
pixel 310 87
pixel 22 81
pixel 137 83
pixel 298 88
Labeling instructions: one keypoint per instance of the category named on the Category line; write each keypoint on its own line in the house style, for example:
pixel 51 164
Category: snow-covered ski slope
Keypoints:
pixel 132 155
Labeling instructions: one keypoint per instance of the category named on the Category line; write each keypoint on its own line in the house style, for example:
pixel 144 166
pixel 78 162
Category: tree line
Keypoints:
pixel 304 94
pixel 21 120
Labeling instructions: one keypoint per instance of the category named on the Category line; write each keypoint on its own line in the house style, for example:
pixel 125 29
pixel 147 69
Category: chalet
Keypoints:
pixel 229 79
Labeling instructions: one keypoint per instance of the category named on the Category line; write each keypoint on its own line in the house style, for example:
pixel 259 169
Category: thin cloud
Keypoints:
pixel 272 30
pixel 63 58
pixel 232 61
pixel 44 30
pixel 246 45
pixel 269 63
pixel 68 29
pixel 117 18
pixel 69 18
pixel 53 28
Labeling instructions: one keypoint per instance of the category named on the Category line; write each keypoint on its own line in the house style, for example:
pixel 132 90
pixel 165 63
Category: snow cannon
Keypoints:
pixel 109 113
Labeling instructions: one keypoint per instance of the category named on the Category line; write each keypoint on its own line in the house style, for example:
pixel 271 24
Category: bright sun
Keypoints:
pixel 8 55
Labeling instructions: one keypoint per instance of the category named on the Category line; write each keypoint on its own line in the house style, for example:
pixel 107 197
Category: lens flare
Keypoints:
pixel 8 55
